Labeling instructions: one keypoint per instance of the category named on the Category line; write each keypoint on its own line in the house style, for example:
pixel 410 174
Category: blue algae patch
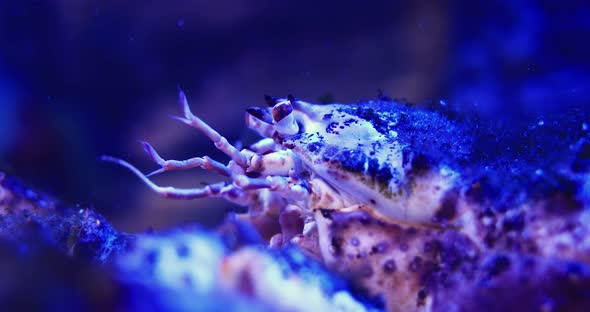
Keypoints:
pixel 420 130
pixel 508 160
pixel 81 233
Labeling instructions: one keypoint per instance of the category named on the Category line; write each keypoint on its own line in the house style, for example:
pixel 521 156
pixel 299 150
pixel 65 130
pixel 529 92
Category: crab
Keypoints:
pixel 427 200
pixel 313 158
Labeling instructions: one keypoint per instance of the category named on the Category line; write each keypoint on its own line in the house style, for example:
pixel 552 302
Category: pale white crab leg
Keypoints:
pixel 220 142
pixel 168 165
pixel 288 187
pixel 264 146
pixel 272 164
pixel 221 189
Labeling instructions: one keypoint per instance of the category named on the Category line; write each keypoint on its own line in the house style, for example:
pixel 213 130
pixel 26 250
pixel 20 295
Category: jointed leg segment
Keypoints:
pixel 221 189
pixel 276 168
pixel 220 142
pixel 168 165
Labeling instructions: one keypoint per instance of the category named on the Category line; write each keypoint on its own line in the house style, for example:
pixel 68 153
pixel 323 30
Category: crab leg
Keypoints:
pixel 286 186
pixel 168 165
pixel 221 189
pixel 264 146
pixel 275 163
pixel 220 142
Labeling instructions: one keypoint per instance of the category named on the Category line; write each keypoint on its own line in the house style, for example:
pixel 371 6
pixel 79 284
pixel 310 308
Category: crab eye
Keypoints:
pixel 280 111
pixel 284 119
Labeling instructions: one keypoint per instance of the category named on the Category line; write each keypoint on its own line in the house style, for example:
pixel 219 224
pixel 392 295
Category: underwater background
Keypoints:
pixel 84 78
pixel 80 79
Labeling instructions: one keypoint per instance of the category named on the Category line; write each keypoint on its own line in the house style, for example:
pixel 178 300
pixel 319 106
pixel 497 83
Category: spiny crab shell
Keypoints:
pixel 343 157
pixel 407 201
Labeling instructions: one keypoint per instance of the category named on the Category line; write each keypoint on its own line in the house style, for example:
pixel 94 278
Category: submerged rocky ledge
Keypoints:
pixel 519 240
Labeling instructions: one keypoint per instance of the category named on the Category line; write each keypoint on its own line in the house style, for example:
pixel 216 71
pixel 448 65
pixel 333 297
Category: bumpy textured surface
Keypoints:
pixel 28 215
pixel 515 221
pixel 412 269
pixel 58 258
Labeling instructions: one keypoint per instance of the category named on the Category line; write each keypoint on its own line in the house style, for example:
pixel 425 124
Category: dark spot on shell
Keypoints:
pixel 337 245
pixel 327 116
pixel 389 266
pixel 448 207
pixel 372 201
pixel 421 300
pixel 416 264
pixel 349 121
pixel 354 241
pixel 314 147
pixel 381 247
pixel 331 126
